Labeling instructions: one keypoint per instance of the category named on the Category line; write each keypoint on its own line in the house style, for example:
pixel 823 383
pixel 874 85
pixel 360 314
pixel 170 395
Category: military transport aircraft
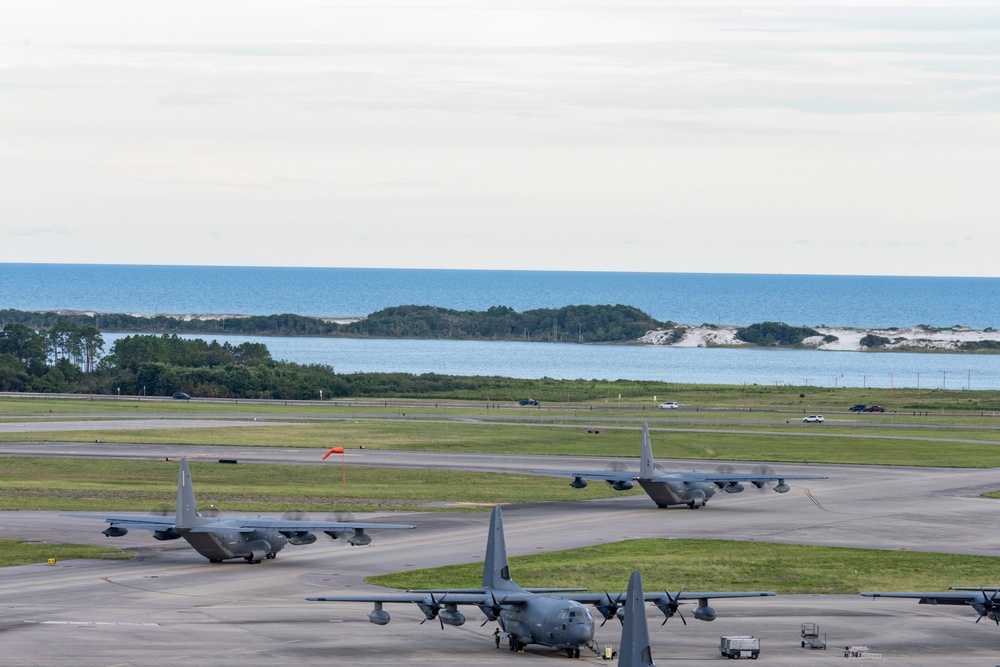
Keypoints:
pixel 635 650
pixel 550 617
pixel 985 601
pixel 219 539
pixel 693 489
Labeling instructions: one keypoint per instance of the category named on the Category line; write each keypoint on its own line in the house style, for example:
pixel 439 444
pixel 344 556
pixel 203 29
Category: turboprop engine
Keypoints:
pixel 703 612
pixel 298 539
pixel 781 487
pixel 379 616
pixel 360 538
pixel 115 531
pixel 168 534
pixel 733 487
pixel 450 615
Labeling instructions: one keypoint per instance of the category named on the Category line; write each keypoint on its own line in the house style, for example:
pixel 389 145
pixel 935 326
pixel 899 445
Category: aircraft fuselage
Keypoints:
pixel 561 624
pixel 665 492
pixel 222 544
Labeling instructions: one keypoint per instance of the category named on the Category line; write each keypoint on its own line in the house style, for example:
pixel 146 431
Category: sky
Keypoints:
pixel 607 135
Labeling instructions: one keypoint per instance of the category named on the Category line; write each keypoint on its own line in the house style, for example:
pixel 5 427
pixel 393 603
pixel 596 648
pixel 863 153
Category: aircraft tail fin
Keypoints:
pixel 646 469
pixel 187 509
pixel 496 570
pixel 635 650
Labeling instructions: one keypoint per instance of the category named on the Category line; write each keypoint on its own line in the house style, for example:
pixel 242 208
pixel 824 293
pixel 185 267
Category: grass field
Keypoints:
pixel 946 446
pixel 721 565
pixel 85 484
pixel 14 552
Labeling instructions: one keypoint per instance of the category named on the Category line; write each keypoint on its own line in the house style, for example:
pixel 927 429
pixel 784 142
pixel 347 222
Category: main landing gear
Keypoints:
pixel 573 652
pixel 515 644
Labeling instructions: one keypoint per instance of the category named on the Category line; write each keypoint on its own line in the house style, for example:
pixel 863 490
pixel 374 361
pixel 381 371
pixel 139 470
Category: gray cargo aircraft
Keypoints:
pixel 219 539
pixel 985 601
pixel 693 489
pixel 556 618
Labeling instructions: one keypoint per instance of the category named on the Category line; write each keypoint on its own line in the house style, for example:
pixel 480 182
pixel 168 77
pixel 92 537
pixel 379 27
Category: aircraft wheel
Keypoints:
pixel 214 560
pixel 576 652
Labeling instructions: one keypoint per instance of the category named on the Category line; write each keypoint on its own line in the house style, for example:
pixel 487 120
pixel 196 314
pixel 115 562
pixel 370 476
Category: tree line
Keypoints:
pixel 583 324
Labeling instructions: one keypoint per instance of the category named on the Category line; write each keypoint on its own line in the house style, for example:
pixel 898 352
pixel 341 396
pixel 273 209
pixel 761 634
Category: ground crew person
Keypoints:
pixel 496 637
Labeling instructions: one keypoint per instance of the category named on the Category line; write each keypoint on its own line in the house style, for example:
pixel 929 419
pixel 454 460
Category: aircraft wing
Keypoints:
pixel 136 521
pixel 606 475
pixel 287 525
pixel 726 478
pixel 440 597
pixel 598 598
pixel 958 597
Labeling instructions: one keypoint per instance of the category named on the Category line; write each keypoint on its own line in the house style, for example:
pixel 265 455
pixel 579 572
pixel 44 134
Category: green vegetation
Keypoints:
pixel 14 552
pixel 721 565
pixel 775 334
pixel 84 484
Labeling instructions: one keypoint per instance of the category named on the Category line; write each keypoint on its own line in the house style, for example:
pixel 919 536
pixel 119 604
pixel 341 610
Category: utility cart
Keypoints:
pixel 811 638
pixel 735 647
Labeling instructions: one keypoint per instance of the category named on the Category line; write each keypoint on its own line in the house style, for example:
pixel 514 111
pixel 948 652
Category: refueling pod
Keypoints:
pixel 115 531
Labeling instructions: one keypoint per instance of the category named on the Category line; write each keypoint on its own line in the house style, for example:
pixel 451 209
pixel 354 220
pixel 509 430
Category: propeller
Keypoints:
pixel 212 511
pixel 989 605
pixel 726 469
pixel 610 609
pixel 432 610
pixel 340 517
pixel 493 611
pixel 616 466
pixel 163 509
pixel 295 515
pixel 673 606
pixel 762 469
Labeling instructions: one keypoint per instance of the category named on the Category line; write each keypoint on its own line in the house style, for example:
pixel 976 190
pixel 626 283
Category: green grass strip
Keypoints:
pixel 87 484
pixel 14 552
pixel 722 565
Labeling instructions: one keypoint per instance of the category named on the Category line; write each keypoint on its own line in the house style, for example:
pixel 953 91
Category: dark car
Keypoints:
pixel 860 407
pixel 528 401
pixel 181 396
pixel 874 408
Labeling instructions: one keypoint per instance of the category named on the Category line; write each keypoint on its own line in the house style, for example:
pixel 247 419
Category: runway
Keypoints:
pixel 169 606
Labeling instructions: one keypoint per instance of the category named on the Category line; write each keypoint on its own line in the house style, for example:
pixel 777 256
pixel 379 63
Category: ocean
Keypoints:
pixel 853 301
pixel 687 298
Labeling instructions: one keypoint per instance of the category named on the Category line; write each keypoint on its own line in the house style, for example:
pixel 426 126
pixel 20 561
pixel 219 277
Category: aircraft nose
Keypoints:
pixel 582 633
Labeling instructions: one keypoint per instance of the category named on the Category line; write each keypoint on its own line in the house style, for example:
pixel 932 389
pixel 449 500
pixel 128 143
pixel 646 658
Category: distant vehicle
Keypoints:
pixel 181 396
pixel 860 407
pixel 739 646
pixel 874 408
pixel 813 419
pixel 669 405
pixel 528 401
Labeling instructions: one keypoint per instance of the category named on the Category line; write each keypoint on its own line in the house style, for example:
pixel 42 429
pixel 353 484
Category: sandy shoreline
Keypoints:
pixel 943 340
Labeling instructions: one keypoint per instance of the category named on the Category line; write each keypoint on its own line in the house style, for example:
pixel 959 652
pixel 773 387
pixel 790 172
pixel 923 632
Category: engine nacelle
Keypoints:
pixel 379 616
pixel 430 607
pixel 578 483
pixel 733 487
pixel 704 613
pixel 168 534
pixel 622 485
pixel 608 611
pixel 298 539
pixel 360 538
pixel 694 497
pixel 451 617
pixel 759 484
pixel 115 531
pixel 781 487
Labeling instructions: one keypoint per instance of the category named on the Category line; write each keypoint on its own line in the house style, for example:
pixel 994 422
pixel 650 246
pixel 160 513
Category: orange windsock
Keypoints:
pixel 335 450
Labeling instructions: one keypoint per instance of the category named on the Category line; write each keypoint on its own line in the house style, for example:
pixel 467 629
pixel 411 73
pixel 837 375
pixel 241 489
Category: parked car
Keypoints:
pixel 181 396
pixel 813 419
pixel 874 408
pixel 669 405
pixel 528 401
pixel 860 407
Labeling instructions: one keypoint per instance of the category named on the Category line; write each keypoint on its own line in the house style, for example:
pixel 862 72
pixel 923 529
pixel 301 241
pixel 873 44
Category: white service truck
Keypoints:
pixel 740 646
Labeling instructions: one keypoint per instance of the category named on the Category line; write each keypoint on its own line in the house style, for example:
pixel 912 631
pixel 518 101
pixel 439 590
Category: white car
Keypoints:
pixel 669 405
pixel 813 419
